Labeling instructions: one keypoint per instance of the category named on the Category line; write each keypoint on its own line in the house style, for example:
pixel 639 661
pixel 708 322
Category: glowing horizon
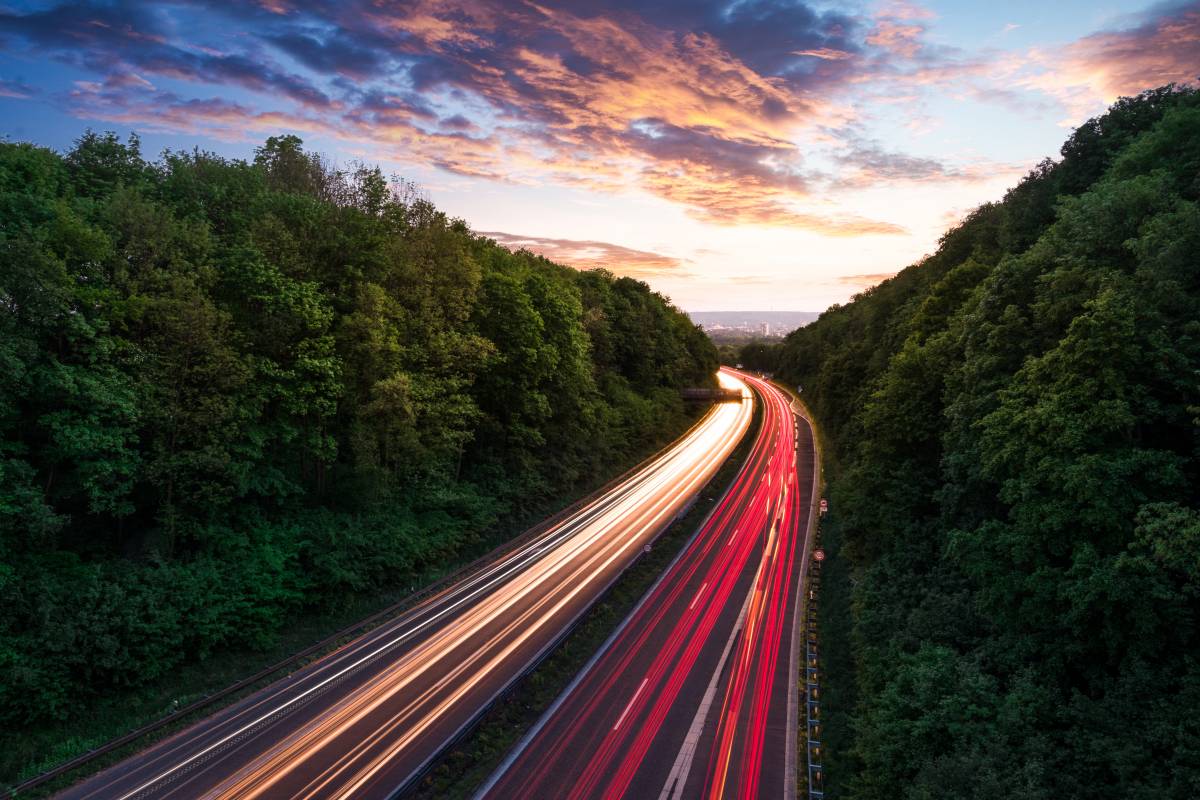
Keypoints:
pixel 760 154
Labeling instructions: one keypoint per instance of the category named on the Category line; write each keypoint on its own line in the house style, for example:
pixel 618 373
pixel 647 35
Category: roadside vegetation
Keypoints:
pixel 242 395
pixel 1011 601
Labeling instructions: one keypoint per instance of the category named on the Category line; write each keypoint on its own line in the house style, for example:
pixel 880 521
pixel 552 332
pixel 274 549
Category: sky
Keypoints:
pixel 754 154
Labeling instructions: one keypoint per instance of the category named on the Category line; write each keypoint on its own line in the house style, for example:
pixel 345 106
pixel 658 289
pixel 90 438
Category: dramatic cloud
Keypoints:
pixel 721 108
pixel 589 255
pixel 697 103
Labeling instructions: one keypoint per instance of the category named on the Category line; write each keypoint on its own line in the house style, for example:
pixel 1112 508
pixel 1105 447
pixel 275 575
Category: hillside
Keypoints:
pixel 1010 609
pixel 239 392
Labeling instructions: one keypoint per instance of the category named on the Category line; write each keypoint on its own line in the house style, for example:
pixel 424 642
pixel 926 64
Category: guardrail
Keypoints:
pixel 712 395
pixel 812 682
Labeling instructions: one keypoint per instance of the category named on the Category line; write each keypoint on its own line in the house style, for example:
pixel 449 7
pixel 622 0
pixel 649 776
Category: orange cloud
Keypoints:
pixel 701 113
pixel 583 254
pixel 825 53
pixel 627 105
pixel 1095 70
pixel 897 38
pixel 865 281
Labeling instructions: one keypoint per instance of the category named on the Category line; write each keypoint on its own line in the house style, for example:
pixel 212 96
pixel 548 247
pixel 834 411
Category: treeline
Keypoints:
pixel 1013 432
pixel 234 391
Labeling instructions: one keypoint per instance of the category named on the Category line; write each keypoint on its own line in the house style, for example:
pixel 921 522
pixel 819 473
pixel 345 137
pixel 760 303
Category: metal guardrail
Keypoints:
pixel 713 395
pixel 804 625
pixel 812 685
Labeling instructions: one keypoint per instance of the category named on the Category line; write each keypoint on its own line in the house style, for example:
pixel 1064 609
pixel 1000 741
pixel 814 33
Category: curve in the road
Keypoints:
pixel 366 719
pixel 691 697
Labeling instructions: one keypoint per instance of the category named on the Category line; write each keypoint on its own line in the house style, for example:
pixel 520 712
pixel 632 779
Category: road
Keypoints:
pixel 368 718
pixel 694 696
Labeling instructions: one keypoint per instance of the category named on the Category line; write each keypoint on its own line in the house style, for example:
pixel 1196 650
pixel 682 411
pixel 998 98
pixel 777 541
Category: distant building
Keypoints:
pixel 766 329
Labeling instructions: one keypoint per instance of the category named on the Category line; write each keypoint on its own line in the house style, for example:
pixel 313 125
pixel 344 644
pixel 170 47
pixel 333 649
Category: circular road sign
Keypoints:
pixel 818 554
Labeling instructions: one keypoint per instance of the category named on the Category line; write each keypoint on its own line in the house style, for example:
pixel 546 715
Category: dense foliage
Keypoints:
pixel 233 391
pixel 1012 428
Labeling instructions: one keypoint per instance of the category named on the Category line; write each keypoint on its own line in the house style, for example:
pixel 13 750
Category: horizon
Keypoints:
pixel 728 155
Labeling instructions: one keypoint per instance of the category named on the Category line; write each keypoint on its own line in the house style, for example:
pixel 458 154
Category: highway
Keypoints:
pixel 365 720
pixel 694 695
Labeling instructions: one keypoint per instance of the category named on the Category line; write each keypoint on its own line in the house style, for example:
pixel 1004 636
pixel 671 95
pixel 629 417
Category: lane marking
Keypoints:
pixel 697 597
pixel 677 780
pixel 630 705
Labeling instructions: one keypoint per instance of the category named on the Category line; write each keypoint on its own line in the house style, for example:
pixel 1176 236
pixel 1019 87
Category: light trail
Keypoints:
pixel 708 652
pixel 366 719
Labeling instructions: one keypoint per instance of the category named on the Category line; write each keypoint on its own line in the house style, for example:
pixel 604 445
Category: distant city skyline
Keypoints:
pixel 756 323
pixel 761 153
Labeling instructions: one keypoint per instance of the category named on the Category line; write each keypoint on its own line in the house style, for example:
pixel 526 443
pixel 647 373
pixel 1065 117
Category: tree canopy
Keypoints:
pixel 235 390
pixel 1013 438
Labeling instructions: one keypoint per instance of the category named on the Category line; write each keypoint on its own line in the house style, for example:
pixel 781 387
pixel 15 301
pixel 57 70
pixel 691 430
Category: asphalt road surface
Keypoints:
pixel 367 719
pixel 695 695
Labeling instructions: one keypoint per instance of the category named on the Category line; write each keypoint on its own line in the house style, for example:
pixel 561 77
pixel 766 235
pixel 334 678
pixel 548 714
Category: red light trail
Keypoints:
pixel 691 696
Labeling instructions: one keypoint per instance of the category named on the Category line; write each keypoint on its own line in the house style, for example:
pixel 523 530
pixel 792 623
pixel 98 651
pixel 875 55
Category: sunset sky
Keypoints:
pixel 735 155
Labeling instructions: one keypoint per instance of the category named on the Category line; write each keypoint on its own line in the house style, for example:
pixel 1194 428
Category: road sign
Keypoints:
pixel 646 548
pixel 824 505
pixel 818 555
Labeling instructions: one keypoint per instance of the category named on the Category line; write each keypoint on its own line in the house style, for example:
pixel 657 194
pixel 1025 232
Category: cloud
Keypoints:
pixel 762 34
pixel 903 64
pixel 1160 46
pixel 714 106
pixel 865 162
pixel 700 103
pixel 457 122
pixel 338 53
pixel 125 37
pixel 897 38
pixel 584 254
pixel 16 89
pixel 166 112
pixel 825 53
pixel 864 281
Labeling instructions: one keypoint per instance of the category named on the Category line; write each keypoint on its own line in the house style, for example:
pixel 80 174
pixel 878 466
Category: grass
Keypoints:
pixel 463 768
pixel 31 751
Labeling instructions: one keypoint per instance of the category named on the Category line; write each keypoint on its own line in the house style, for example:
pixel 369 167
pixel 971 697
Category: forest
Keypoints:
pixel 238 391
pixel 1012 435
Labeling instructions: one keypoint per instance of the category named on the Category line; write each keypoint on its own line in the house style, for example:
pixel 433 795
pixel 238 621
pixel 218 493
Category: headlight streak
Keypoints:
pixel 442 604
pixel 685 646
pixel 460 646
